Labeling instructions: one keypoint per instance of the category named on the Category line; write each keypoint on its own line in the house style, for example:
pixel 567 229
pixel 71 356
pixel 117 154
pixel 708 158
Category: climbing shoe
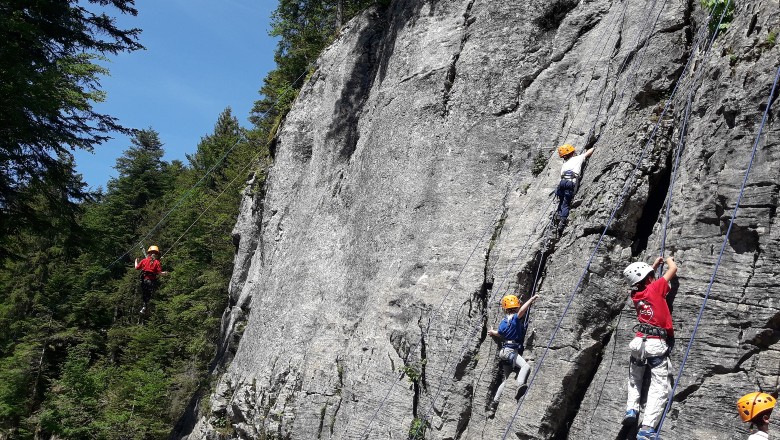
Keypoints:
pixel 631 417
pixel 562 225
pixel 521 390
pixel 491 410
pixel 646 433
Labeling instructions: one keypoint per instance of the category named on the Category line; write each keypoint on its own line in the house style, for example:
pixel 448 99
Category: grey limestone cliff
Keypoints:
pixel 411 188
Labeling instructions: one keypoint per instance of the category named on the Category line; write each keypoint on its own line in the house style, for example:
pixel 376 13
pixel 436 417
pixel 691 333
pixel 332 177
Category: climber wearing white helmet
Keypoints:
pixel 650 346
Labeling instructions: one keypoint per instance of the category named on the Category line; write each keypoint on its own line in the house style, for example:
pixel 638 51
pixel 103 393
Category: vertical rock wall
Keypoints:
pixel 410 189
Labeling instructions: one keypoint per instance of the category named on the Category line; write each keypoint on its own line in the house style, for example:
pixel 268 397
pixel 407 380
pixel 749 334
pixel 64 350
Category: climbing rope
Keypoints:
pixel 680 145
pixel 683 128
pixel 619 19
pixel 191 190
pixel 635 66
pixel 722 250
pixel 527 316
pixel 241 173
pixel 617 206
pixel 480 319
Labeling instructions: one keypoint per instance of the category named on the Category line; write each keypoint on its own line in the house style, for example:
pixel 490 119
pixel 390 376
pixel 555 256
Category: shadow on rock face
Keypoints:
pixel 743 239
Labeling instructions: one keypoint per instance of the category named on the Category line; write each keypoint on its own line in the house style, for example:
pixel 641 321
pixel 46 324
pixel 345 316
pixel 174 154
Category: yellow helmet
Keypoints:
pixel 565 150
pixel 510 302
pixel 753 404
pixel 153 249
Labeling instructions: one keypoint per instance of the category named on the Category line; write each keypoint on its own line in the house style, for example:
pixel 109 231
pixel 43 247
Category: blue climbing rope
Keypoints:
pixel 400 377
pixel 617 206
pixel 526 320
pixel 722 250
pixel 683 128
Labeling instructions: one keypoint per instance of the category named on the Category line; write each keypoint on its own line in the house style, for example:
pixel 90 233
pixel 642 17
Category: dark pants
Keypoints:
pixel 147 289
pixel 565 193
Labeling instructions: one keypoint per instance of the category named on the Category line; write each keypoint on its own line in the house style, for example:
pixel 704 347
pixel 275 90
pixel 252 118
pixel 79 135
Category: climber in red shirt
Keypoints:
pixel 150 268
pixel 650 346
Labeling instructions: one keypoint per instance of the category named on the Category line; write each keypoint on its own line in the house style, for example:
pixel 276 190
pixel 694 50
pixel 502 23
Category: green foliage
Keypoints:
pixel 413 370
pixel 77 360
pixel 716 7
pixel 540 163
pixel 771 39
pixel 417 429
pixel 48 83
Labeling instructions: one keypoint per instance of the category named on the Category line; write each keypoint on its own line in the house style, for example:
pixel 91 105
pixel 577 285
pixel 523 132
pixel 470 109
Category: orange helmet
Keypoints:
pixel 510 302
pixel 752 405
pixel 153 249
pixel 565 150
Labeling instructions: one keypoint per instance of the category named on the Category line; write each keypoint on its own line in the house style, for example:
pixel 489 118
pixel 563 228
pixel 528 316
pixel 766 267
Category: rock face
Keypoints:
pixel 411 189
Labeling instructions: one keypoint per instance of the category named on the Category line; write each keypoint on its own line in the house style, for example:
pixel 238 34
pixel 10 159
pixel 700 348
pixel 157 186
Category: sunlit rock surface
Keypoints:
pixel 410 191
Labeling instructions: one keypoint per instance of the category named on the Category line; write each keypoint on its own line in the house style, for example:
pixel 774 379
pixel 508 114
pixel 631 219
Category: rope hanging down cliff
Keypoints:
pixel 722 249
pixel 438 308
pixel 675 167
pixel 617 206
pixel 538 272
pixel 191 190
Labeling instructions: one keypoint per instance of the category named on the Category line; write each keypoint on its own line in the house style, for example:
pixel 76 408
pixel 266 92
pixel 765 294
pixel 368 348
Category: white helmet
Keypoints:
pixel 636 272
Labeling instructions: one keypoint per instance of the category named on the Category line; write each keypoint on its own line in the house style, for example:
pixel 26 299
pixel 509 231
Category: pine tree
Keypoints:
pixel 48 83
pixel 304 28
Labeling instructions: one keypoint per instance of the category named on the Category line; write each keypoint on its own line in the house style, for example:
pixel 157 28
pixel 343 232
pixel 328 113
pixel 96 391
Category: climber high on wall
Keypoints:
pixel 570 174
pixel 150 268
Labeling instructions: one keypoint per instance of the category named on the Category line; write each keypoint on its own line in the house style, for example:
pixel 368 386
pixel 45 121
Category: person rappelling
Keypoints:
pixel 511 333
pixel 755 408
pixel 651 344
pixel 570 175
pixel 150 268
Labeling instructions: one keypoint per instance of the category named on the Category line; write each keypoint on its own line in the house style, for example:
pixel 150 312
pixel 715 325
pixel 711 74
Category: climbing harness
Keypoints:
pixel 384 399
pixel 527 317
pixel 509 352
pixel 190 191
pixel 569 175
pixel 722 248
pixel 650 330
pixel 618 204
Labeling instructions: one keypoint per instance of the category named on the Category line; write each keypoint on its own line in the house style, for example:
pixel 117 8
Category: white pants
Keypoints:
pixel 660 379
pixel 519 362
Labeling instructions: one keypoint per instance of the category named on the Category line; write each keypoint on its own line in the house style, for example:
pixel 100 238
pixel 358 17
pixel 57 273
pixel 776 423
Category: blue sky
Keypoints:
pixel 201 56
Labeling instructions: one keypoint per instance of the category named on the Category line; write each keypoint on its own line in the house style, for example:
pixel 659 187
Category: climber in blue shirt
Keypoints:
pixel 511 331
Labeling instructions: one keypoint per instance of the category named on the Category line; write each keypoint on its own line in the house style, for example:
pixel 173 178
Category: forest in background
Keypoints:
pixel 77 360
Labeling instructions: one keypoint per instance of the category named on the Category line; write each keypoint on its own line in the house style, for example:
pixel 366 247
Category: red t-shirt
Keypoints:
pixel 651 307
pixel 150 267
